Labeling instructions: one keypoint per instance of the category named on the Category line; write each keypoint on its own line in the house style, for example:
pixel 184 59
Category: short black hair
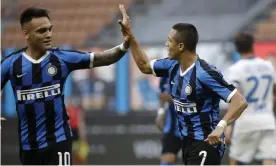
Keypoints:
pixel 28 14
pixel 244 42
pixel 187 34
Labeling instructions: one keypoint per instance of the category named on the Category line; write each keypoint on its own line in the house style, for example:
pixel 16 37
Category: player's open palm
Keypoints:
pixel 214 137
pixel 125 23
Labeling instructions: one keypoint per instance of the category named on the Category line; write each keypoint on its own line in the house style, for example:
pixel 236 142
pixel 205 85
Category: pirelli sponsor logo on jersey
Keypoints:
pixel 38 93
pixel 185 107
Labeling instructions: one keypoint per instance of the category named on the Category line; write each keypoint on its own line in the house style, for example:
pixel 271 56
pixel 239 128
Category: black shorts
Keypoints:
pixel 196 152
pixel 48 156
pixel 171 144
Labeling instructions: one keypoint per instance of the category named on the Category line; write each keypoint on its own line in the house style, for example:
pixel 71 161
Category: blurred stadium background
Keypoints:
pixel 119 102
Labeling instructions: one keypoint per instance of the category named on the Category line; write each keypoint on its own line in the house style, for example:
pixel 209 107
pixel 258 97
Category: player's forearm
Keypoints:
pixel 236 107
pixel 140 57
pixel 110 56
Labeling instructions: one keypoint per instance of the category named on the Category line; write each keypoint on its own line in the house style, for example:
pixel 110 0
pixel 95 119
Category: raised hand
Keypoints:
pixel 125 23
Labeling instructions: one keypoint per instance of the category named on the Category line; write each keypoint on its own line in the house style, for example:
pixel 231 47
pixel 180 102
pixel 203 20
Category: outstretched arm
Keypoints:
pixel 140 57
pixel 76 60
pixel 159 68
pixel 110 56
pixel 138 53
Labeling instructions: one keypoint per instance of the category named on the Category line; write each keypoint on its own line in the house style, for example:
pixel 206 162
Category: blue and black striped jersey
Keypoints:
pixel 38 89
pixel 171 124
pixel 196 93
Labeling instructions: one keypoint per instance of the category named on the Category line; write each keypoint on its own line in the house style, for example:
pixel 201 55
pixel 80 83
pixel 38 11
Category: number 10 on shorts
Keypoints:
pixel 64 159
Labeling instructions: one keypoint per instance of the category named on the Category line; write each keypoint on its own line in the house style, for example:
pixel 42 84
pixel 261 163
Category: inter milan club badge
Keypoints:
pixel 188 89
pixel 52 70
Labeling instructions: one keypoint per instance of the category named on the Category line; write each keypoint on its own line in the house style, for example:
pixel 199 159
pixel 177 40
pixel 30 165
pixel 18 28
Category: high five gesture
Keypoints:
pixel 125 23
pixel 138 54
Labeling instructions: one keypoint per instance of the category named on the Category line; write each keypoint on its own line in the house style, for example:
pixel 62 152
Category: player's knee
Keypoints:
pixel 168 159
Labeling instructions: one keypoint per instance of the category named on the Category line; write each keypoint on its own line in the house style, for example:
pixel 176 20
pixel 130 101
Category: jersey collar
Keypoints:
pixel 34 60
pixel 187 70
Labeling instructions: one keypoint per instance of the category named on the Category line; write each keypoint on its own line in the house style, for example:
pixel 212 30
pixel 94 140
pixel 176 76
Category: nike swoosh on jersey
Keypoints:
pixel 18 76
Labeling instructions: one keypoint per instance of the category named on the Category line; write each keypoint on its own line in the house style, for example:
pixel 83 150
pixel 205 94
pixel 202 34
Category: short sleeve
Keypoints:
pixel 161 67
pixel 76 59
pixel 214 80
pixel 5 68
